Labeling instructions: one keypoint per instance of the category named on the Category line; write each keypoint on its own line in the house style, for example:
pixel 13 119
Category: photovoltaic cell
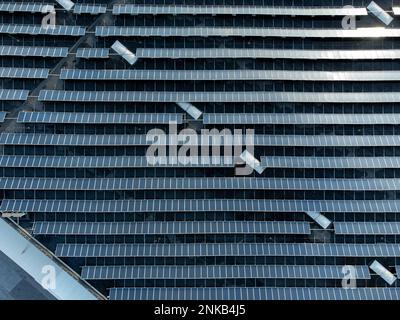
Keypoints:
pixel 245 96
pixel 175 227
pixel 104 162
pixel 25 51
pixel 107 31
pixel 238 294
pixel 98 53
pixel 13 95
pixel 228 249
pixel 331 162
pixel 219 272
pixel 236 75
pixel 184 183
pixel 39 30
pixel 88 8
pixel 29 73
pixel 236 10
pixel 227 53
pixel 367 228
pixel 259 140
pixel 97 118
pixel 197 205
pixel 300 118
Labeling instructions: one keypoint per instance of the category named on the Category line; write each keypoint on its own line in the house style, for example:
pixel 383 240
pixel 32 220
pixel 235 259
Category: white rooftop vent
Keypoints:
pixel 384 273
pixel 13 214
pixel 252 162
pixel 323 221
pixel 124 52
pixel 66 4
pixel 190 109
pixel 378 12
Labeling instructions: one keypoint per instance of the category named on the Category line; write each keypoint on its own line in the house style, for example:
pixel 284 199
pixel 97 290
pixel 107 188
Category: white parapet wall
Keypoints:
pixel 42 267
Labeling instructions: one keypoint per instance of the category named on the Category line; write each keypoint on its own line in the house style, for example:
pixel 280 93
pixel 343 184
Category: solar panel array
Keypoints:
pixel 116 179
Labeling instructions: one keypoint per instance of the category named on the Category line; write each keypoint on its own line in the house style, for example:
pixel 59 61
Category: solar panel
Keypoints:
pixel 13 95
pixel 331 162
pixel 380 13
pixel 29 73
pixel 66 4
pixel 244 96
pixel 219 272
pixel 105 162
pixel 300 118
pixel 367 228
pixel 98 53
pixel 228 249
pixel 200 31
pixel 383 272
pixel 199 205
pixel 238 183
pixel 124 52
pixel 21 7
pixel 236 75
pixel 2 116
pixel 226 53
pixel 81 8
pixel 236 10
pixel 98 118
pixel 175 227
pixel 26 51
pixel 260 293
pixel 39 30
pixel 259 140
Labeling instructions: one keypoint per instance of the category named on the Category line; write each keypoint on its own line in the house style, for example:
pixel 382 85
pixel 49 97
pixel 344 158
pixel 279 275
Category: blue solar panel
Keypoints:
pixel 26 51
pixel 219 272
pixel 238 183
pixel 97 118
pixel 248 96
pixel 228 249
pixel 209 205
pixel 190 227
pixel 236 10
pixel 106 162
pixel 88 53
pixel 239 294
pixel 37 29
pixel 16 95
pixel 367 228
pixel 228 53
pixel 201 31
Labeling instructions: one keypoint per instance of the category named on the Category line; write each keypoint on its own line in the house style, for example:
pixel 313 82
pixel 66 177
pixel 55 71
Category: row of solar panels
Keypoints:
pixel 223 118
pixel 103 118
pixel 259 140
pixel 199 205
pixel 210 227
pixel 187 9
pixel 245 96
pixel 237 96
pixel 228 249
pixel 197 184
pixel 176 227
pixel 57 52
pixel 200 162
pixel 200 31
pixel 40 8
pixel 264 293
pixel 169 96
pixel 232 75
pixel 220 272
